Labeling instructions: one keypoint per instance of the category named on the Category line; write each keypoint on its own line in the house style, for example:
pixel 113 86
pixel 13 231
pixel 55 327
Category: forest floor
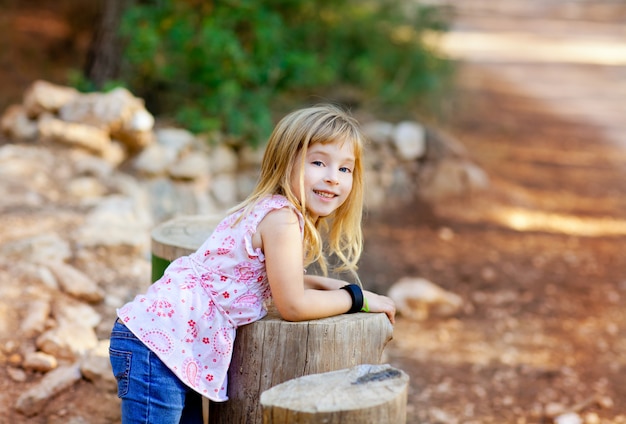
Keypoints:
pixel 538 256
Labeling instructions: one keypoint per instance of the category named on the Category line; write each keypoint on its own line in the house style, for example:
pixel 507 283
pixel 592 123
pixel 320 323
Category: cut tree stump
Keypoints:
pixel 271 351
pixel 179 237
pixel 365 394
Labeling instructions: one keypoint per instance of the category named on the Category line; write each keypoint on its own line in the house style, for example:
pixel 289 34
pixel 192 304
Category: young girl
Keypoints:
pixel 174 343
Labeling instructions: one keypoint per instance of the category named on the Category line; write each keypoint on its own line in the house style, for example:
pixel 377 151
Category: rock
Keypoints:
pixel 568 418
pixel 453 176
pixel 141 121
pixel 224 189
pixel 115 221
pixel 33 400
pixel 43 96
pixel 223 160
pixel 86 188
pixel 155 160
pixel 250 157
pixel 378 132
pixel 41 249
pixel 75 134
pixel 107 111
pixel 39 361
pixel 36 318
pixel 86 165
pixel 67 310
pixel 96 367
pixel 76 283
pixel 15 123
pixel 177 139
pixel 410 140
pixel 67 341
pixel 16 374
pixel 419 299
pixel 191 166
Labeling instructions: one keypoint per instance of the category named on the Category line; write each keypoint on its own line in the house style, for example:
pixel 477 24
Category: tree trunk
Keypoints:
pixel 365 394
pixel 105 52
pixel 272 351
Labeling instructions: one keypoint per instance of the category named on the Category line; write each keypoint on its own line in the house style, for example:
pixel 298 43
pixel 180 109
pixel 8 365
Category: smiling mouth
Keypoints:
pixel 325 194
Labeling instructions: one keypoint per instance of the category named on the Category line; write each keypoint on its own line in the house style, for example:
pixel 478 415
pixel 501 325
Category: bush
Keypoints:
pixel 227 64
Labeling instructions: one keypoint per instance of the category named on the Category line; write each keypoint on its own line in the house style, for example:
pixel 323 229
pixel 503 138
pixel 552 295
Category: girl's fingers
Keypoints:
pixel 378 303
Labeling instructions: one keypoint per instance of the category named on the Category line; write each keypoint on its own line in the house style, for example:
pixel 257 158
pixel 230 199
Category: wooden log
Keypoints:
pixel 272 350
pixel 179 237
pixel 365 394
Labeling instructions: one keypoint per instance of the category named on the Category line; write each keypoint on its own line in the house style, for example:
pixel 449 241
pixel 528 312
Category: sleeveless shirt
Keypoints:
pixel 189 316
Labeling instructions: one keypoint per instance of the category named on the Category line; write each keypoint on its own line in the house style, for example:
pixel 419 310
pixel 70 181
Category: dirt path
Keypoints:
pixel 537 257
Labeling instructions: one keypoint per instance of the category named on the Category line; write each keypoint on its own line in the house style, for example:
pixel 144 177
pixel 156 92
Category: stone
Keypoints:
pixel 86 188
pixel 223 160
pixel 15 123
pixel 43 96
pixel 75 134
pixel 568 418
pixel 33 400
pixel 178 139
pixel 39 361
pixel 410 140
pixel 76 283
pixel 36 318
pixel 418 299
pixel 40 249
pixel 68 310
pixel 155 159
pixel 67 341
pixel 379 132
pixel 140 121
pixel 115 221
pixel 453 177
pixel 16 374
pixel 224 189
pixel 96 367
pixel 191 166
pixel 250 157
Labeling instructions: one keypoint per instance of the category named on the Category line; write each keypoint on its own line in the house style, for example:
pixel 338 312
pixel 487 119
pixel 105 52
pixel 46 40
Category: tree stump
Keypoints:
pixel 179 237
pixel 271 351
pixel 365 394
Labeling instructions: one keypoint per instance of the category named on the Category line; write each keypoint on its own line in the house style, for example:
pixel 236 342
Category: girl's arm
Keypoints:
pixel 318 282
pixel 296 296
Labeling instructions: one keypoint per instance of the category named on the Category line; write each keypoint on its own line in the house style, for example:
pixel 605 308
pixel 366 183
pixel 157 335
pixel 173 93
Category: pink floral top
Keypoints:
pixel 189 316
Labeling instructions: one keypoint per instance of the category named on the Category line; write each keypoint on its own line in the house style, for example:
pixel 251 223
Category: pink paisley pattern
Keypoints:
pixel 209 313
pixel 223 342
pixel 191 370
pixel 247 299
pixel 157 340
pixel 246 273
pixel 161 308
pixel 189 316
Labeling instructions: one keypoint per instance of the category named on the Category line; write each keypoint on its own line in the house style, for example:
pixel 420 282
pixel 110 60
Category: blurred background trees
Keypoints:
pixel 233 65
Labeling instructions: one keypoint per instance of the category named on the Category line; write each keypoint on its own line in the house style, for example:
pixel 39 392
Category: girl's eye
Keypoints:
pixel 318 163
pixel 345 169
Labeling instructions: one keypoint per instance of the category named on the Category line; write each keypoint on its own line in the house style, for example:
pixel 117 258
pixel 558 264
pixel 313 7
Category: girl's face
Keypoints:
pixel 327 173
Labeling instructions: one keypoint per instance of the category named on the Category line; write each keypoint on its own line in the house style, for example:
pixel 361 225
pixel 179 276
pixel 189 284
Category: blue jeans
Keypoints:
pixel 150 392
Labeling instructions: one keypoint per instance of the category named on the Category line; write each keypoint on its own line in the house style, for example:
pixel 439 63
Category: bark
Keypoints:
pixel 105 52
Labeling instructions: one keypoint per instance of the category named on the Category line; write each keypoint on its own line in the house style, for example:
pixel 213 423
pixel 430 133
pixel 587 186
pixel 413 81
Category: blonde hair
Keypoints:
pixel 289 141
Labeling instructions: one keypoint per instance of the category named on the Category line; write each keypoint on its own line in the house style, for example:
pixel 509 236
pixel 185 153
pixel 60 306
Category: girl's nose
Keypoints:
pixel 332 178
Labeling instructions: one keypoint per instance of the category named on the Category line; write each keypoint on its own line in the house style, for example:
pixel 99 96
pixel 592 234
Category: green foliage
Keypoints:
pixel 226 64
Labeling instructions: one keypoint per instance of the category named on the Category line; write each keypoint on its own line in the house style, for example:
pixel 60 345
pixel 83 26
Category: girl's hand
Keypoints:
pixel 379 303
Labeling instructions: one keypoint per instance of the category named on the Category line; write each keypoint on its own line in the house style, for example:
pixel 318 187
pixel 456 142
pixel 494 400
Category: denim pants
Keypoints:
pixel 150 392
